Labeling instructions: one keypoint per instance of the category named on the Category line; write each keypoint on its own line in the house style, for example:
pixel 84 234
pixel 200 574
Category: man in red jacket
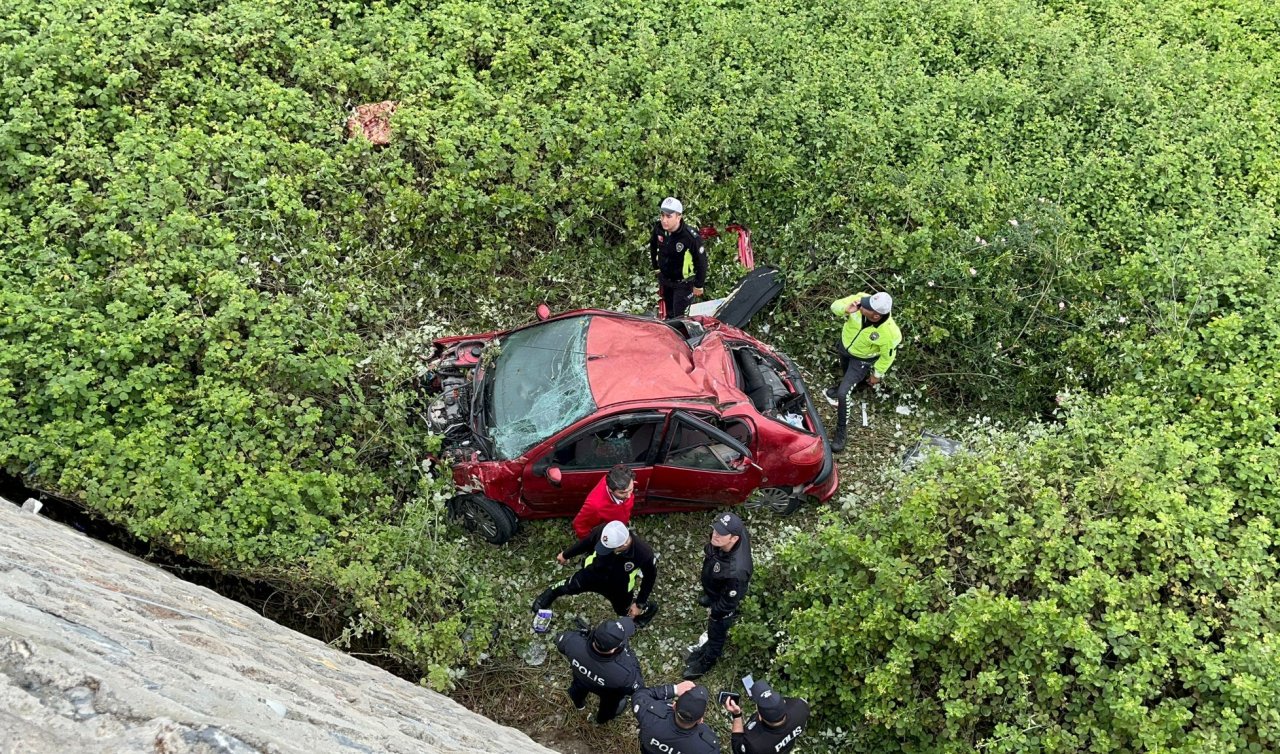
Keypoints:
pixel 610 500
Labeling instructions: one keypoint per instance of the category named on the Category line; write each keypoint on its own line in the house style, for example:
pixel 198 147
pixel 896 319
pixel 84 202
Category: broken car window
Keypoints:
pixel 540 384
pixel 614 442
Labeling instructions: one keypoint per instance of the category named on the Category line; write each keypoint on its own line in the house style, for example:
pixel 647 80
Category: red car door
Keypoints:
pixel 699 466
pixel 584 454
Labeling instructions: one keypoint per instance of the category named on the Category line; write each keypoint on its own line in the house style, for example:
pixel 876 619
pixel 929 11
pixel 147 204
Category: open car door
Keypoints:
pixel 699 465
pixel 754 292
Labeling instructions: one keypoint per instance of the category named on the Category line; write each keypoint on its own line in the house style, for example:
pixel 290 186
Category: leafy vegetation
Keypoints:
pixel 212 307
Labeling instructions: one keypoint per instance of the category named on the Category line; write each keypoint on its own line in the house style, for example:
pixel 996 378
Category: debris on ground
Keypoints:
pixel 929 443
pixel 374 121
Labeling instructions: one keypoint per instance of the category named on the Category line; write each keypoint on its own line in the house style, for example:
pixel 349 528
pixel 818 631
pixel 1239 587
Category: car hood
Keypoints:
pixel 645 360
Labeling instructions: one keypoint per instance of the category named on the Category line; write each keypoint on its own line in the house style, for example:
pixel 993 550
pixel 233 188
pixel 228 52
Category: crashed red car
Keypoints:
pixel 705 415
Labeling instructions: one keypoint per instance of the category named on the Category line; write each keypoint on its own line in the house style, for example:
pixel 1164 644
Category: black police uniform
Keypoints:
pixel 612 677
pixel 667 255
pixel 613 575
pixel 760 738
pixel 659 733
pixel 725 579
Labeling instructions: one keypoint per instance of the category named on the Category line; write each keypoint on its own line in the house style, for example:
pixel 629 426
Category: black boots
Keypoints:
pixel 698 665
pixel 837 440
pixel 544 600
pixel 643 619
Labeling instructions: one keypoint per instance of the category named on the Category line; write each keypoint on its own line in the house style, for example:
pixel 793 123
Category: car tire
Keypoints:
pixel 778 500
pixel 494 522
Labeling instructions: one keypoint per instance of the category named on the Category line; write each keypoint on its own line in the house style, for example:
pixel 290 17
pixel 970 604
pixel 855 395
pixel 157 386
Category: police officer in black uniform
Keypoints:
pixel 603 665
pixel 775 726
pixel 726 575
pixel 676 251
pixel 678 728
pixel 618 559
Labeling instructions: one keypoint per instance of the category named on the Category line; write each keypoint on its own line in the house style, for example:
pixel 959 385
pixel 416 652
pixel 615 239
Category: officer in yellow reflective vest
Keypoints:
pixel 868 344
pixel 679 256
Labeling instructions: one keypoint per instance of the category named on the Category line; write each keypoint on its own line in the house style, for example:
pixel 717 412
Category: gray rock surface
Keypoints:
pixel 103 652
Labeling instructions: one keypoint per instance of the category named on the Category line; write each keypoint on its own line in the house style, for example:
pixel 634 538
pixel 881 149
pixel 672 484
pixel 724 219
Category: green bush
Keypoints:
pixel 211 303
pixel 1105 586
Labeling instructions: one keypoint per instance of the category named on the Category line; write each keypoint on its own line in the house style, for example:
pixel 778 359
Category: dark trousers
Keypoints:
pixel 610 699
pixel 718 635
pixel 853 373
pixel 677 296
pixel 591 581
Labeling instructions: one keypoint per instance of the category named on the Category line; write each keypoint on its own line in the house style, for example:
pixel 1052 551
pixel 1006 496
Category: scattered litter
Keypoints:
pixel 864 413
pixel 701 640
pixel 374 121
pixel 32 505
pixel 903 409
pixel 278 708
pixel 929 443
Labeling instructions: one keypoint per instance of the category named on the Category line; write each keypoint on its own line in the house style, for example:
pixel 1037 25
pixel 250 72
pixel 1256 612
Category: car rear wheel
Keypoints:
pixel 493 521
pixel 779 500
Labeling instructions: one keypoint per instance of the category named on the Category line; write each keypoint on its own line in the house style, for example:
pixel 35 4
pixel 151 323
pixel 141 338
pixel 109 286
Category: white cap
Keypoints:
pixel 881 303
pixel 615 535
pixel 672 204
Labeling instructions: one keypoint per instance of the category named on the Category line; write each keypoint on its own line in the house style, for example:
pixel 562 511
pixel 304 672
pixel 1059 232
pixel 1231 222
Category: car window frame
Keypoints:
pixel 669 436
pixel 657 417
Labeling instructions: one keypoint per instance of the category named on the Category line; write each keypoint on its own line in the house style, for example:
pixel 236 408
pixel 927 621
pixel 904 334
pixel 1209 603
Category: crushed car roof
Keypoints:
pixel 632 359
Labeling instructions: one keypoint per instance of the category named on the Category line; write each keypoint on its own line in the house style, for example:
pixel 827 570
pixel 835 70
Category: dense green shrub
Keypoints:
pixel 1107 586
pixel 211 303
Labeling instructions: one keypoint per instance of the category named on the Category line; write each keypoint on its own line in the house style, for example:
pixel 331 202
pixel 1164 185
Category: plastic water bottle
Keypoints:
pixel 542 621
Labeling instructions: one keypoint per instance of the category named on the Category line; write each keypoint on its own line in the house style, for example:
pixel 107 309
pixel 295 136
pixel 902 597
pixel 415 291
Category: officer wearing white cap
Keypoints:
pixel 674 728
pixel 726 575
pixel 775 726
pixel 617 562
pixel 868 343
pixel 678 255
pixel 603 665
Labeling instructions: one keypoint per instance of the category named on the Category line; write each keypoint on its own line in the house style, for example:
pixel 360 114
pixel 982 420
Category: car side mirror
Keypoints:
pixel 543 312
pixel 554 476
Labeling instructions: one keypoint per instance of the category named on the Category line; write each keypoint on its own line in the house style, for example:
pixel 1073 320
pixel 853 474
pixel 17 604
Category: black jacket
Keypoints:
pixel 727 575
pixel 615 672
pixel 667 254
pixel 619 568
pixel 659 733
pixel 759 738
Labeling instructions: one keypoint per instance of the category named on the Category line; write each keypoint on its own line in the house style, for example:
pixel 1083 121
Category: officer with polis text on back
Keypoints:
pixel 674 728
pixel 603 665
pixel 678 255
pixel 775 726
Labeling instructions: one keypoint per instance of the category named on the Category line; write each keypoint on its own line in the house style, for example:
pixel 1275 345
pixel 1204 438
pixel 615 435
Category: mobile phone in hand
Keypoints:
pixel 727 695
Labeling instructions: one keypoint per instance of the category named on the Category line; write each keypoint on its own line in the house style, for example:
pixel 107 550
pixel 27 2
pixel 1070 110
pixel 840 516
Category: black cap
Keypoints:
pixel 692 704
pixel 728 523
pixel 613 632
pixel 768 701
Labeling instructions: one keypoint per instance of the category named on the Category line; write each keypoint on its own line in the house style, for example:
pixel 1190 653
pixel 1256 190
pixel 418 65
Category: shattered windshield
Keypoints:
pixel 539 384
